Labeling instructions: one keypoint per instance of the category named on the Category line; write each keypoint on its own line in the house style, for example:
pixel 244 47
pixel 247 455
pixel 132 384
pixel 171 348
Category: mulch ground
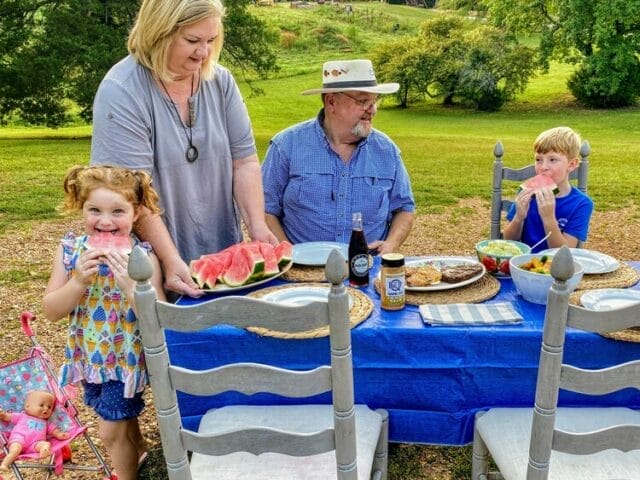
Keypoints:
pixel 27 251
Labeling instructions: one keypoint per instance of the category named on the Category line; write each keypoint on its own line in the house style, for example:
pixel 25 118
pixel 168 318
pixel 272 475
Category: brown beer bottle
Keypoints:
pixel 358 254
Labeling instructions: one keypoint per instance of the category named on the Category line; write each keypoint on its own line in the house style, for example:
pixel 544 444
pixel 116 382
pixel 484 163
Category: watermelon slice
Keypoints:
pixel 108 241
pixel 255 258
pixel 284 253
pixel 197 270
pixel 538 182
pixel 270 259
pixel 240 270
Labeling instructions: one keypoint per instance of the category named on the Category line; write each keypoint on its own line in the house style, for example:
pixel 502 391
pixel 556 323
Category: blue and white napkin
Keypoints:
pixel 470 314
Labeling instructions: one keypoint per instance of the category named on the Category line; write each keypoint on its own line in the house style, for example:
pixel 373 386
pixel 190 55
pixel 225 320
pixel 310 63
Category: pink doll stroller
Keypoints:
pixel 36 372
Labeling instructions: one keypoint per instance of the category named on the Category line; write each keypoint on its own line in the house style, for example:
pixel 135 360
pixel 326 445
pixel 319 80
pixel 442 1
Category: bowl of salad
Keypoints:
pixel 495 254
pixel 531 274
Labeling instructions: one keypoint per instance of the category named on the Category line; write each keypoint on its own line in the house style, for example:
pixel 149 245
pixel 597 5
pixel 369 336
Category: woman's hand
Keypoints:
pixel 177 278
pixel 262 233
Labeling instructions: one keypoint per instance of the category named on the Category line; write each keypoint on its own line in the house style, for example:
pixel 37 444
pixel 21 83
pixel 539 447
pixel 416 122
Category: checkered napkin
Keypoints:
pixel 470 314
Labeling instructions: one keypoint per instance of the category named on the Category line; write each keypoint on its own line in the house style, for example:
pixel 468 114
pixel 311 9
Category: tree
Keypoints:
pixel 601 37
pixel 52 51
pixel 448 60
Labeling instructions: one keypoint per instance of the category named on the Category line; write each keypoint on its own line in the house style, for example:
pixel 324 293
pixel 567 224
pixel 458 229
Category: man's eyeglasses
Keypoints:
pixel 364 104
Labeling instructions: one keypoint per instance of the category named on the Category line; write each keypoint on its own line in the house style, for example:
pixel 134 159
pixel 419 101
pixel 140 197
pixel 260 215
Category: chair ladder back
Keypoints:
pixel 242 312
pixel 251 378
pixel 553 375
pixel 258 441
pixel 155 315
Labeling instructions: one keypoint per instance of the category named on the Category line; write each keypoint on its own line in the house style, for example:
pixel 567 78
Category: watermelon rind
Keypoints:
pixel 284 253
pixel 268 252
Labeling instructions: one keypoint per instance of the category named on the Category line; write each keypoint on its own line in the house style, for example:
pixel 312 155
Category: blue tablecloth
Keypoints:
pixel 431 379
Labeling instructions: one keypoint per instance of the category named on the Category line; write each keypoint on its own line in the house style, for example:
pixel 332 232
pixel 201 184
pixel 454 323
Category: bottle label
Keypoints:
pixel 360 265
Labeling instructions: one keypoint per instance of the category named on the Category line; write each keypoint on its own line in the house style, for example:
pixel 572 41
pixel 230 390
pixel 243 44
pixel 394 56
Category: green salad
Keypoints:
pixel 500 248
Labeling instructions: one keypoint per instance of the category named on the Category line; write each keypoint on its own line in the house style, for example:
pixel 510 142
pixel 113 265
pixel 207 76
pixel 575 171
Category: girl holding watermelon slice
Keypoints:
pixel 90 284
pixel 548 202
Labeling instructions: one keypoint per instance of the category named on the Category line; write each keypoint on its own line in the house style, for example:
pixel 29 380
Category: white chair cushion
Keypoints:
pixel 272 466
pixel 506 432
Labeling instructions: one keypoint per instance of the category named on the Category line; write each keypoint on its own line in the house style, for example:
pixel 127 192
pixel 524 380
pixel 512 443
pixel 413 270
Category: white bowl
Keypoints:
pixel 534 287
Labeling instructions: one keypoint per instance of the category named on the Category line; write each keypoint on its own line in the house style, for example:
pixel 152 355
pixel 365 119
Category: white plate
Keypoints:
pixel 300 295
pixel 226 288
pixel 592 262
pixel 609 298
pixel 440 263
pixel 316 253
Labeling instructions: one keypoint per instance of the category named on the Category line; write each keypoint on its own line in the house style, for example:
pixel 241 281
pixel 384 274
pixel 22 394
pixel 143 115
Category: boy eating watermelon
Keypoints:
pixel 548 202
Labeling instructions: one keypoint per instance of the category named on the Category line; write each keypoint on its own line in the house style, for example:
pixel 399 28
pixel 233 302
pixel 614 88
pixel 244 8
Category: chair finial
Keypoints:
pixel 140 268
pixel 336 269
pixel 562 267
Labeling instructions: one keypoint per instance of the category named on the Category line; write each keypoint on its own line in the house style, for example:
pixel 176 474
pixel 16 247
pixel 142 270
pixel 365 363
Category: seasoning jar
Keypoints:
pixel 392 281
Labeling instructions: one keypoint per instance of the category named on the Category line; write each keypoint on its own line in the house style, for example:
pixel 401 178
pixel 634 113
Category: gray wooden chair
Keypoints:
pixel 547 442
pixel 499 204
pixel 341 441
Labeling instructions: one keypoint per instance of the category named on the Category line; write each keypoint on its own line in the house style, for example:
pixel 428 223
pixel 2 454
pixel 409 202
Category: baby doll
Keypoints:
pixel 31 427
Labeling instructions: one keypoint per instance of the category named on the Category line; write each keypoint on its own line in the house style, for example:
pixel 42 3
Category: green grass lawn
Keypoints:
pixel 447 150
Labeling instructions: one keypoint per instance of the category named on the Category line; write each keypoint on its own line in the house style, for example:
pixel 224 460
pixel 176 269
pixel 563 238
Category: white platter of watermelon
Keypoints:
pixel 240 266
pixel 315 254
pixel 297 295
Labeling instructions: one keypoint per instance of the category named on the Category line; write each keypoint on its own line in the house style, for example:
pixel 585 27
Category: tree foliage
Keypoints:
pixel 602 37
pixel 52 51
pixel 448 60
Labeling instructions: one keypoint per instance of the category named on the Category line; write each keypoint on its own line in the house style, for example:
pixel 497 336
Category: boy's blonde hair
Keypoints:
pixel 157 24
pixel 133 185
pixel 560 139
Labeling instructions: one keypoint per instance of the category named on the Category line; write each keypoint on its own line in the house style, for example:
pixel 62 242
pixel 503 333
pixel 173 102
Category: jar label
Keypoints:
pixel 393 296
pixel 360 265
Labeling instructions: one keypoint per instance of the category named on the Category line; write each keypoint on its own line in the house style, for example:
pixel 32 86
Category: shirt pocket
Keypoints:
pixel 372 198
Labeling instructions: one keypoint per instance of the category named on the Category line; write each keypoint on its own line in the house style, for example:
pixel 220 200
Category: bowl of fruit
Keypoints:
pixel 495 254
pixel 531 274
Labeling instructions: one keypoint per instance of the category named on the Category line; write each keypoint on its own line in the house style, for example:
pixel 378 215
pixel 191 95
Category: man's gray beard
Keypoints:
pixel 360 131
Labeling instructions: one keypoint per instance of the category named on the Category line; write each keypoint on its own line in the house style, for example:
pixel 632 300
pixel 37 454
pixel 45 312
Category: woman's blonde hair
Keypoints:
pixel 133 185
pixel 157 24
pixel 560 139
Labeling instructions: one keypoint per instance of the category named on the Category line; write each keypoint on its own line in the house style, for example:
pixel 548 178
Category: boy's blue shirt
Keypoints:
pixel 573 213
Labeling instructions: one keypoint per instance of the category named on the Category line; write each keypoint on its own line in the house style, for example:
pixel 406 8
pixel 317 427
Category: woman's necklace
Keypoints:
pixel 192 151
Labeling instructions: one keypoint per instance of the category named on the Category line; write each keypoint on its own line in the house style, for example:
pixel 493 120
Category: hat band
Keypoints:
pixel 368 83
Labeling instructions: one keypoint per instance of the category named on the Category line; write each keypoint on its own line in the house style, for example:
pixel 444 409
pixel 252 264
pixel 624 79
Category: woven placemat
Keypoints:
pixel 626 335
pixel 360 310
pixel 302 273
pixel 484 289
pixel 623 277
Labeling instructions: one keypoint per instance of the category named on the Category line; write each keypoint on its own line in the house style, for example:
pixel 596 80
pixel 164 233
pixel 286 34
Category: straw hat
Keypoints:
pixel 351 75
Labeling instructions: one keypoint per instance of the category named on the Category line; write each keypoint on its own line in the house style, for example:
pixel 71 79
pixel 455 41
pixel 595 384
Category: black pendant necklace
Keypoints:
pixel 192 151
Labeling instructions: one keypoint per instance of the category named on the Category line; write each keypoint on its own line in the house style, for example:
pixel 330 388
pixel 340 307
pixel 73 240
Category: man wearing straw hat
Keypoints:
pixel 318 172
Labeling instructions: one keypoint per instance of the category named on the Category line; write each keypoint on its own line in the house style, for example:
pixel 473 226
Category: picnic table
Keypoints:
pixel 431 379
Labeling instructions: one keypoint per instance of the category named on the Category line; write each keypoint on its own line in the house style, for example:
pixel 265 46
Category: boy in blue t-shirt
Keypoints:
pixel 536 212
